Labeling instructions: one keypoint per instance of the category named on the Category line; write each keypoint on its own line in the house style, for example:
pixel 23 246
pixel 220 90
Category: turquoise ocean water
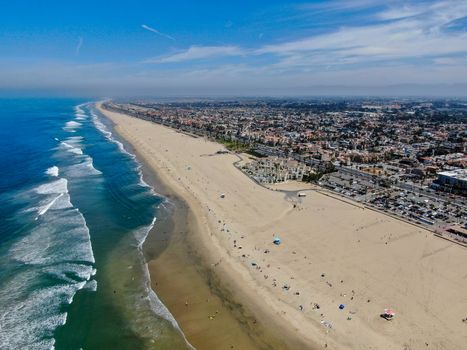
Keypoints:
pixel 74 213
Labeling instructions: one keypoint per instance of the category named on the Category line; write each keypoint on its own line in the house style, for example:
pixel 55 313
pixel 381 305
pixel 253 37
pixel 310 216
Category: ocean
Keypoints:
pixel 74 213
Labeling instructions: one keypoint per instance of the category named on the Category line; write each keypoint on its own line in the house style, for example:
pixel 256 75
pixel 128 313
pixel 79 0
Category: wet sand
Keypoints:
pixel 207 310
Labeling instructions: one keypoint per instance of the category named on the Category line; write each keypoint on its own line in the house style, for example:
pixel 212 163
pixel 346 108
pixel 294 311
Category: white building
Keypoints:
pixel 455 179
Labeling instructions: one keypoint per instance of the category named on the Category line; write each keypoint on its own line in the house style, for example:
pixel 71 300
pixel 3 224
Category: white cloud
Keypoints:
pixel 416 45
pixel 200 52
pixel 401 12
pixel 343 5
pixel 144 26
pixel 418 33
pixel 405 45
pixel 430 10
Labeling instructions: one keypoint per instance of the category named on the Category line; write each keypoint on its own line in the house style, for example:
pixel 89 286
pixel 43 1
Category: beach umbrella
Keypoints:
pixel 389 312
pixel 277 241
pixel 341 307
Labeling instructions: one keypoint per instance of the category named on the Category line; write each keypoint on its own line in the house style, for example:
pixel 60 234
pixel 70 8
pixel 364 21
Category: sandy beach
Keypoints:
pixel 333 252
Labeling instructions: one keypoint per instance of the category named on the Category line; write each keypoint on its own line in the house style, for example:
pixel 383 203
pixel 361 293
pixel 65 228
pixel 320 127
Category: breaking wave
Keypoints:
pixel 85 167
pixel 52 171
pixel 108 134
pixel 71 126
pixel 56 253
pixel 70 148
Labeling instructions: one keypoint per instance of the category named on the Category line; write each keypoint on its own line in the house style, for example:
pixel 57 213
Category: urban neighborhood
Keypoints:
pixel 404 157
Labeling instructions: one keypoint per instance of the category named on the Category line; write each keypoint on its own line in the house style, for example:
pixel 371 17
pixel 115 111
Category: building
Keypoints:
pixel 453 180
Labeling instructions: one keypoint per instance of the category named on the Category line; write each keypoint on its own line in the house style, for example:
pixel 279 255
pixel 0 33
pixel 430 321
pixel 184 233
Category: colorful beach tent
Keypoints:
pixel 389 312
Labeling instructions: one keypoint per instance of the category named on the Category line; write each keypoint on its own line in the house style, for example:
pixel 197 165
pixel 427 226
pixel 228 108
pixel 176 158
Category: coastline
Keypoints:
pixel 178 261
pixel 337 256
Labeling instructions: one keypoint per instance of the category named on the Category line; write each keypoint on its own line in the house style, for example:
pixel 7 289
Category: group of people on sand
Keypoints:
pixel 235 239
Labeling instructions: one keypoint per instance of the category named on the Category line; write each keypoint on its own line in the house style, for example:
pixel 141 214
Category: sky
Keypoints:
pixel 233 48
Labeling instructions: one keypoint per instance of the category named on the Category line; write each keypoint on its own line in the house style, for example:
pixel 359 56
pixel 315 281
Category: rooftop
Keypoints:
pixel 460 174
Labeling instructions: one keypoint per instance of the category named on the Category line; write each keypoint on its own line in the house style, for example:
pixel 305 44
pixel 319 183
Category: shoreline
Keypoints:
pixel 174 240
pixel 325 241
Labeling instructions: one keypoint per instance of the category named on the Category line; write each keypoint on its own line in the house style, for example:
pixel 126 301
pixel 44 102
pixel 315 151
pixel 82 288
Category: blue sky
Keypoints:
pixel 233 47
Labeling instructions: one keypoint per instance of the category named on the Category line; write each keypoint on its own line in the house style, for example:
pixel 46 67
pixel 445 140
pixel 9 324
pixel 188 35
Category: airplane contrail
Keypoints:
pixel 157 32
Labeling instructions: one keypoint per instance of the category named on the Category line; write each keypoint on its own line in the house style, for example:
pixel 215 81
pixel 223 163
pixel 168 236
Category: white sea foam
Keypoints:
pixel 79 286
pixel 159 308
pixel 144 183
pixel 79 109
pixel 143 232
pixel 86 167
pixel 29 318
pixel 76 151
pixel 52 171
pixel 156 304
pixel 57 249
pixel 104 130
pixel 69 272
pixel 57 186
pixel 52 197
pixel 101 127
pixel 91 285
pixel 65 224
pixel 149 300
pixel 70 148
pixel 60 236
pixel 72 139
pixel 141 304
pixel 71 126
pixel 46 207
pixel 122 148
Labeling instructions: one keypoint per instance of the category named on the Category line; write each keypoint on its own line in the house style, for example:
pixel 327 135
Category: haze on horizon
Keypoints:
pixel 247 48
